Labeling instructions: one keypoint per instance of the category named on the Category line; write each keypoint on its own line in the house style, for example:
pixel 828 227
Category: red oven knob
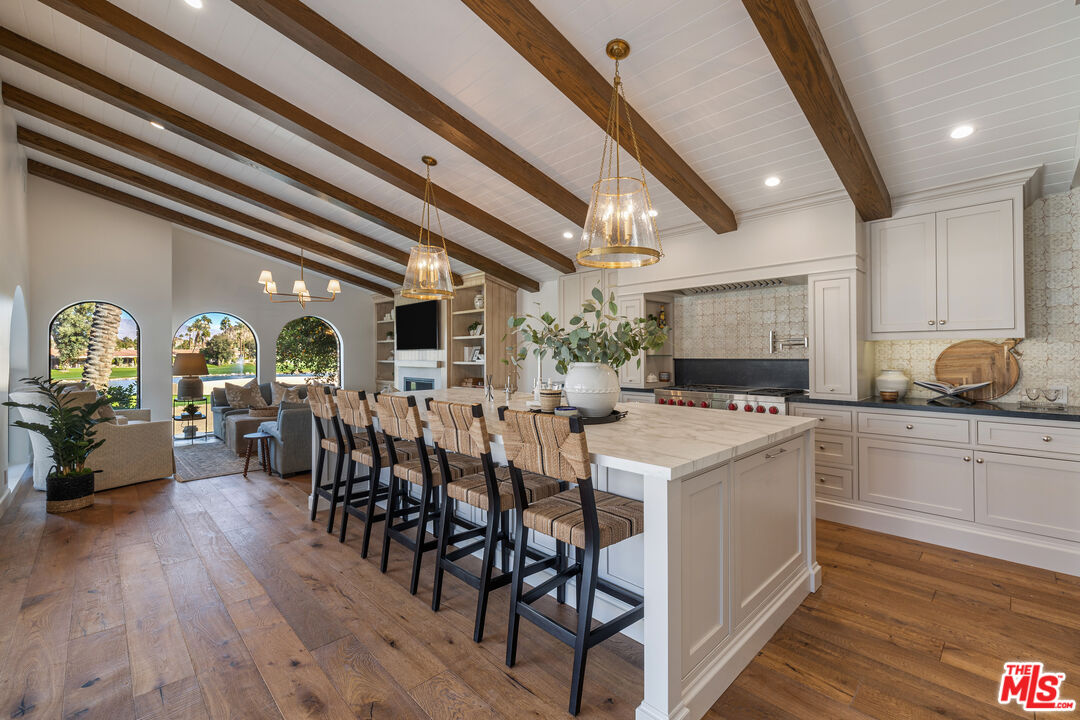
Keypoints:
pixel 774 410
pixel 749 408
pixel 660 401
pixel 689 403
pixel 732 406
pixel 761 408
pixel 704 404
pixel 681 403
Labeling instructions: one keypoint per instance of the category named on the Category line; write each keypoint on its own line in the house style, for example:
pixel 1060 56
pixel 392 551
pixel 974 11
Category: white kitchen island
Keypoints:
pixel 728 549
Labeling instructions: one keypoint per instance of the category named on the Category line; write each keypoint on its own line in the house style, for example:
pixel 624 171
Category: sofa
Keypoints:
pixel 231 424
pixel 135 449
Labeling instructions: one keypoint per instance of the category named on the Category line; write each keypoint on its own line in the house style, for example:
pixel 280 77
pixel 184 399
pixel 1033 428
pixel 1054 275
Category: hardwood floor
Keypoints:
pixel 218 599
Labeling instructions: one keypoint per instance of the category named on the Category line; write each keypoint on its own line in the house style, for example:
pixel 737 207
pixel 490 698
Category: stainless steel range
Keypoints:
pixel 728 397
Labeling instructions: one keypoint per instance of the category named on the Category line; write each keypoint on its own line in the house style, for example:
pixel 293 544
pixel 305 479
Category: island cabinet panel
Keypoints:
pixel 1035 495
pixel 622 563
pixel 926 478
pixel 704 571
pixel 768 527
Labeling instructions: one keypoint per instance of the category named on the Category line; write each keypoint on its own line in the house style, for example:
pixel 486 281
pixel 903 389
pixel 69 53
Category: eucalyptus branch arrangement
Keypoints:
pixel 596 335
pixel 70 431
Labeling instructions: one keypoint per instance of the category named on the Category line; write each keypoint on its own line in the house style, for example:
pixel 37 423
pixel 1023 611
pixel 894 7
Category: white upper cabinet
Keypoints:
pixel 839 365
pixel 575 289
pixel 632 374
pixel 956 271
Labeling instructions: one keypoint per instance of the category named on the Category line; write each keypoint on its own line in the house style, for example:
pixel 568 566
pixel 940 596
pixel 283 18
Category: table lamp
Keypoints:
pixel 189 366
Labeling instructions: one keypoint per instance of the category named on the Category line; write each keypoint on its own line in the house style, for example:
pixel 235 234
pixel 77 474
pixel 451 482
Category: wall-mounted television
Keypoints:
pixel 417 326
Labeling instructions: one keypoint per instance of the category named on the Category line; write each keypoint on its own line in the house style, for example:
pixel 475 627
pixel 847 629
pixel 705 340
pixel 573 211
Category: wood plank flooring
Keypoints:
pixel 219 599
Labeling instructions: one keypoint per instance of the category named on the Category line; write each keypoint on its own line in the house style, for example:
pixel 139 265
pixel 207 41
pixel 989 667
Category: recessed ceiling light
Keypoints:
pixel 156 124
pixel 652 212
pixel 568 234
pixel 772 181
pixel 961 131
pixel 197 4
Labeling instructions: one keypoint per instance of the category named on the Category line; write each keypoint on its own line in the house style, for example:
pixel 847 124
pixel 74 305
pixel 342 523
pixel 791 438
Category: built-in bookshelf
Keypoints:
pixel 384 343
pixel 480 329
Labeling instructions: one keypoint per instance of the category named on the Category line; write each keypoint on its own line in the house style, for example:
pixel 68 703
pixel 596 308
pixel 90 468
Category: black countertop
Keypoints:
pixel 1071 413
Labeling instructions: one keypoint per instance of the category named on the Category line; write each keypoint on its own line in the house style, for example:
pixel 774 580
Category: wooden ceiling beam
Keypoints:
pixel 62 177
pixel 793 37
pixel 326 41
pixel 537 40
pixel 93 83
pixel 130 31
pixel 76 156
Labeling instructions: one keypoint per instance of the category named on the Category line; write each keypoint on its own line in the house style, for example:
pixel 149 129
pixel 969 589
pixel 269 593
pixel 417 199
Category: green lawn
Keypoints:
pixel 130 372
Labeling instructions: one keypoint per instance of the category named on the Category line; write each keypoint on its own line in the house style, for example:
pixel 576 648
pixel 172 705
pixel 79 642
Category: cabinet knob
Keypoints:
pixel 940 322
pixel 821 419
pixel 979 461
pixel 909 427
pixel 1047 438
pixel 821 479
pixel 930 322
pixel 820 447
pixel 967 458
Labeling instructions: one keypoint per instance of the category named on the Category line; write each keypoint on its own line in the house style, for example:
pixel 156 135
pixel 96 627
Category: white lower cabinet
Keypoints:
pixel 926 478
pixel 770 525
pixel 1032 494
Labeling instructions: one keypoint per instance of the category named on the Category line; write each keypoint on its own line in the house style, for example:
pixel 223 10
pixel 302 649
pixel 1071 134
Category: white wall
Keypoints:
pixel 548 298
pixel 14 287
pixel 84 248
pixel 212 276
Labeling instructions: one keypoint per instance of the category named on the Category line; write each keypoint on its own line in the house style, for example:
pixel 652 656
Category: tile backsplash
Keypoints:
pixel 736 323
pixel 1052 296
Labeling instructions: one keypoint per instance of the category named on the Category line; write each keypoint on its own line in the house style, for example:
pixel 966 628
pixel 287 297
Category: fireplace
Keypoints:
pixel 418 383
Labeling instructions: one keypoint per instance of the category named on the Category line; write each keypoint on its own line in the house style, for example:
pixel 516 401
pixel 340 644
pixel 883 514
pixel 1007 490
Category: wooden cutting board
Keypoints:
pixel 973 361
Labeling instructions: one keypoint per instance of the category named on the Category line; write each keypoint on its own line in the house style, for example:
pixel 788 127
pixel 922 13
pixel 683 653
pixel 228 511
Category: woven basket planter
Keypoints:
pixel 69 493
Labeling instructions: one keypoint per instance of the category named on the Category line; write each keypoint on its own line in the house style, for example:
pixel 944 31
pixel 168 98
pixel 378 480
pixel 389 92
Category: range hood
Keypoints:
pixel 744 285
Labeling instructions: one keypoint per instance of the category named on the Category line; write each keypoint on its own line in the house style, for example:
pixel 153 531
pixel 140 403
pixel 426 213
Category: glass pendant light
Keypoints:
pixel 427 276
pixel 620 227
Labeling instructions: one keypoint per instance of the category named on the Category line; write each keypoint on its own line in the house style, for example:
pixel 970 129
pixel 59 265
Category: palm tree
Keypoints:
pixel 199 330
pixel 101 347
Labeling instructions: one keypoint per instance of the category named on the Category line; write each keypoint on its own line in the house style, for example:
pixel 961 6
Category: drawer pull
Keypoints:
pixel 821 479
pixel 909 427
pixel 820 447
pixel 821 419
pixel 940 322
pixel 1047 438
pixel 967 458
pixel 979 460
pixel 775 454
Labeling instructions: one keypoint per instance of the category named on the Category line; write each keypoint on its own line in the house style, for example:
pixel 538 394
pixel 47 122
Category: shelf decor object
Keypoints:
pixel 620 226
pixel 300 293
pixel 427 276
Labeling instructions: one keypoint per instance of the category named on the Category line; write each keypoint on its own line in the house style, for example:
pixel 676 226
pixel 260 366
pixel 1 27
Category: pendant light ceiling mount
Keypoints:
pixel 428 276
pixel 620 227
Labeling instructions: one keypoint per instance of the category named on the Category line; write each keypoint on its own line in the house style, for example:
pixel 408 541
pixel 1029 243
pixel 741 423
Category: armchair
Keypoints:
pixel 290 439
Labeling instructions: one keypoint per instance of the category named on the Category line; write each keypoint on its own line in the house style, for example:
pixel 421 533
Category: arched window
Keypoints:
pixel 227 343
pixel 97 343
pixel 309 347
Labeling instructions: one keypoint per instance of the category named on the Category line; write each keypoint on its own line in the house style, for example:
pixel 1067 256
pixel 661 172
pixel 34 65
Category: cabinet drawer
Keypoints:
pixel 833 481
pixel 1035 495
pixel 1030 437
pixel 915 426
pixel 832 449
pixel 926 478
pixel 828 419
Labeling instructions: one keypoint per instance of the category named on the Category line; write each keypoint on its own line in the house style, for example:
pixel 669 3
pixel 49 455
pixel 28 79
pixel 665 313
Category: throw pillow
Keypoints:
pixel 106 413
pixel 284 393
pixel 234 393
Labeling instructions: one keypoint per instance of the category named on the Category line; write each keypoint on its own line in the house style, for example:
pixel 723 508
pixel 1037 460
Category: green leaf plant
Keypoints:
pixel 597 334
pixel 70 431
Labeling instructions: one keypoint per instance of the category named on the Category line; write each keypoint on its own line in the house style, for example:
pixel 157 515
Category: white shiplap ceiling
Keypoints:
pixel 698 73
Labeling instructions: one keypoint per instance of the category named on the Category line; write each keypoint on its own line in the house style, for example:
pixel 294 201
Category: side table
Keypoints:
pixel 263 439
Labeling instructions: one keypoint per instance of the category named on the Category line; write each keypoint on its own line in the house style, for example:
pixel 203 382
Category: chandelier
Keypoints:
pixel 300 293
pixel 427 276
pixel 620 227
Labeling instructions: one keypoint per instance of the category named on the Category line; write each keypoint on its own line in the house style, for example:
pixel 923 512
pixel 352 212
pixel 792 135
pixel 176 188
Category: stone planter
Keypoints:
pixel 593 388
pixel 64 494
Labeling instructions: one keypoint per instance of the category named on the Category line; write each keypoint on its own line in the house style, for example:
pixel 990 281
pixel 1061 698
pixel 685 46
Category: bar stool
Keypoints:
pixel 366 450
pixel 461 428
pixel 324 415
pixel 400 417
pixel 584 517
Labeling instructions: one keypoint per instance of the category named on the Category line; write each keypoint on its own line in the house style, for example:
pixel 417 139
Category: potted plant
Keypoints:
pixel 476 328
pixel 70 434
pixel 589 351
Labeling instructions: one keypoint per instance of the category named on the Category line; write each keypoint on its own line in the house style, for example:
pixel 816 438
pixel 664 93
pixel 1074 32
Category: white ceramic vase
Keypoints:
pixel 892 380
pixel 593 388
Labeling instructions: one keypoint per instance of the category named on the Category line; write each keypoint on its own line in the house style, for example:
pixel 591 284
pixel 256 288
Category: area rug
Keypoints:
pixel 205 460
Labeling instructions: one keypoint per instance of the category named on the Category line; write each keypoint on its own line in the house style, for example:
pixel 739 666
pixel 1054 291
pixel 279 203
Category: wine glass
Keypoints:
pixel 1032 393
pixel 1051 394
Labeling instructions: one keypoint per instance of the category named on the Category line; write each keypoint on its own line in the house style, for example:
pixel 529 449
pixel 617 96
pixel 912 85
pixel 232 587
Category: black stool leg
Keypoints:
pixel 560 565
pixel 505 541
pixel 319 459
pixel 335 490
pixel 515 591
pixel 391 508
pixel 587 580
pixel 421 531
pixel 444 539
pixel 350 471
pixel 373 485
pixel 490 538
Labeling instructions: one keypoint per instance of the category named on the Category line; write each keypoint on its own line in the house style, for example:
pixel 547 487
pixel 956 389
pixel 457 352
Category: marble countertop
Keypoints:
pixel 656 440
pixel 995 409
